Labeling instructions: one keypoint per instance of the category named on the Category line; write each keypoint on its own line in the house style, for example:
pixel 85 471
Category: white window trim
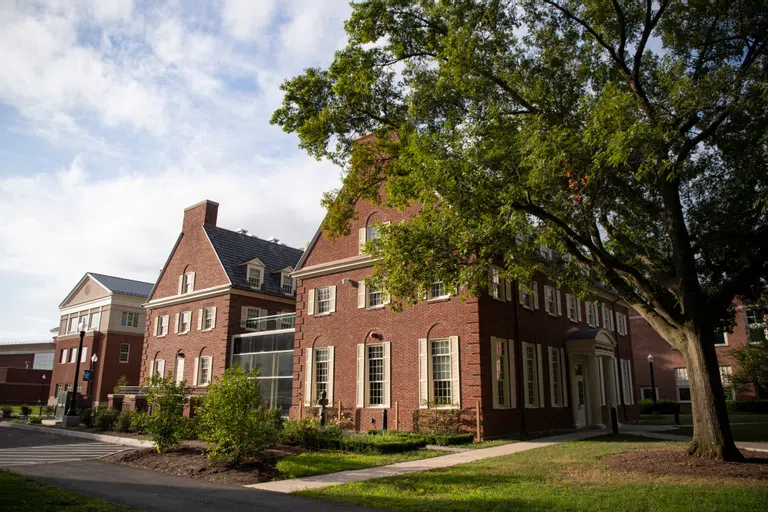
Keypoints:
pixel 179 322
pixel 313 305
pixel 426 383
pixel 198 372
pixel 385 298
pixel 127 353
pixel 524 291
pixel 201 319
pixel 537 391
pixel 496 283
pixel 363 377
pixel 310 379
pixel 161 326
pixel 508 362
pixel 255 268
pixel 283 275
pixel 64 356
pixel 556 400
pixel 446 294
pixel 643 389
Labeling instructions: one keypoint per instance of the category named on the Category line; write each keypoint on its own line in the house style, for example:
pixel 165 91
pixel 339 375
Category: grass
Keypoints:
pixel 747 427
pixel 686 419
pixel 566 477
pixel 19 494
pixel 486 444
pixel 321 463
pixel 752 432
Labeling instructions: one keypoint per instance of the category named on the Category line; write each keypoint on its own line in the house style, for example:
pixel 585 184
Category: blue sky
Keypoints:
pixel 117 114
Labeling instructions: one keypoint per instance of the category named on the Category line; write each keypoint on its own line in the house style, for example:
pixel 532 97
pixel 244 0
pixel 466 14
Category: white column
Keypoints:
pixel 610 383
pixel 593 390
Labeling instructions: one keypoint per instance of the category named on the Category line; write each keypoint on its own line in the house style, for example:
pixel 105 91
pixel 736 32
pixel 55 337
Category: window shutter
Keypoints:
pixel 559 303
pixel 602 381
pixel 213 317
pixel 494 374
pixel 578 309
pixel 161 367
pixel 329 395
pixel 361 294
pixel 631 387
pixel 508 289
pixel 423 374
pixel 210 369
pixel 176 324
pixel 455 382
pixel 597 316
pixel 540 375
pixel 385 299
pixel 332 291
pixel 308 377
pixel 181 282
pixel 563 379
pixel 360 240
pixel 192 279
pixel 151 369
pixel 546 299
pixel 616 380
pixel 360 389
pixel 552 399
pixel 199 321
pixel 157 323
pixel 196 371
pixel 535 295
pixel 512 381
pixel 243 316
pixel 387 374
pixel 311 302
pixel 526 401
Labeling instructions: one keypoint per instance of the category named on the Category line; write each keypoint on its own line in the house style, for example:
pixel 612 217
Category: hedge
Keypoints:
pixel 747 406
pixel 662 406
pixel 381 444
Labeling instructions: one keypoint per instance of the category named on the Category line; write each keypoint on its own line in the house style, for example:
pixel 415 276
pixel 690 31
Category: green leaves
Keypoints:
pixel 166 399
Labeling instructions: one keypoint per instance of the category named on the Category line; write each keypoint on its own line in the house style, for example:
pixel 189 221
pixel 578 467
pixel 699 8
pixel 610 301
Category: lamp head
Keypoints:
pixel 650 358
pixel 44 377
pixel 81 326
pixel 94 358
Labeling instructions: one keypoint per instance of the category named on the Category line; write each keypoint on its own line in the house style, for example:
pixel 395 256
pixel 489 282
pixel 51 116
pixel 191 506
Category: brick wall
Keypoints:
pixel 17 360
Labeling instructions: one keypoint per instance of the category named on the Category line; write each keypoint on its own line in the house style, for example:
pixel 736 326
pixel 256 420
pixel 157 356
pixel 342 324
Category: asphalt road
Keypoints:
pixel 148 490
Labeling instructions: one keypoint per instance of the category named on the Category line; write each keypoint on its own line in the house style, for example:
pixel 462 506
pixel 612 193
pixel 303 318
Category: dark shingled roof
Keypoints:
pixel 124 286
pixel 236 249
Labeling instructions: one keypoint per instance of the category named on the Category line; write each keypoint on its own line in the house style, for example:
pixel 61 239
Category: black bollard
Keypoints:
pixel 384 420
pixel 677 415
pixel 614 421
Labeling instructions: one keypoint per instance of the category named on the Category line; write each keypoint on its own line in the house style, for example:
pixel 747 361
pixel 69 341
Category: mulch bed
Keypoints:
pixel 190 461
pixel 678 463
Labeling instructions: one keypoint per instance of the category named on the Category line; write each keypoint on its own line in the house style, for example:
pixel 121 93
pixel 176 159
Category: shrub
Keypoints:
pixel 662 406
pixel 121 381
pixel 307 433
pixel 437 421
pixel 139 422
pixel 231 418
pixel 449 439
pixel 382 443
pixel 49 410
pixel 191 428
pixel 275 417
pixel 124 420
pixel 7 411
pixel 86 417
pixel 167 399
pixel 25 410
pixel 747 406
pixel 35 420
pixel 105 418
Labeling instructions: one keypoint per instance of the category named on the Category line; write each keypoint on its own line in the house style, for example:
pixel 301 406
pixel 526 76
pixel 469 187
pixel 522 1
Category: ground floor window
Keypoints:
pixel 273 355
pixel 647 394
pixel 318 375
pixel 439 372
pixel 683 388
pixel 556 384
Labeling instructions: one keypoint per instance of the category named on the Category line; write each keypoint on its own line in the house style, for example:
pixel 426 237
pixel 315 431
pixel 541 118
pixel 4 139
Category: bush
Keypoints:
pixel 121 381
pixel 191 428
pixel 86 417
pixel 124 420
pixel 449 439
pixel 747 406
pixel 167 400
pixel 105 418
pixel 35 420
pixel 307 433
pixel 139 422
pixel 49 410
pixel 25 410
pixel 662 406
pixel 382 443
pixel 7 411
pixel 232 419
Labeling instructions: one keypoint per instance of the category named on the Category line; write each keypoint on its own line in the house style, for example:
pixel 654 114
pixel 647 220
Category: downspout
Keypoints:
pixel 519 361
pixel 616 337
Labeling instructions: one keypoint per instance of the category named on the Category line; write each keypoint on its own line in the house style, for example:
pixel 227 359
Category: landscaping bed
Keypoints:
pixel 678 463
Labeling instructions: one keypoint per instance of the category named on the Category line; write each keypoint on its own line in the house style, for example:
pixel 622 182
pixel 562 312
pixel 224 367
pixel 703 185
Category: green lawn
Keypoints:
pixel 752 432
pixel 486 444
pixel 686 419
pixel 746 426
pixel 19 494
pixel 321 463
pixel 568 477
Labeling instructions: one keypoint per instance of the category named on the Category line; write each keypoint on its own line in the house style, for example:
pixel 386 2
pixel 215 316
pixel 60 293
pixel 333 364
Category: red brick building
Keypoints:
pixel 216 288
pixel 670 374
pixel 110 310
pixel 25 371
pixel 529 357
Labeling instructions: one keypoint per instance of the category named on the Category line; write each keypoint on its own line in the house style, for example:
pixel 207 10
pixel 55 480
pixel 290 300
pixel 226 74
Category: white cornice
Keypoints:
pixel 334 267
pixel 188 297
pixel 248 293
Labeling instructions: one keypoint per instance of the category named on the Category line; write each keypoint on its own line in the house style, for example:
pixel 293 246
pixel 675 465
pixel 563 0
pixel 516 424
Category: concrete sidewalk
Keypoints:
pixel 415 466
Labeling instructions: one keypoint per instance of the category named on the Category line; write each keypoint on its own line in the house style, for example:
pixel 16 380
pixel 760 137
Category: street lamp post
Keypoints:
pixel 653 382
pixel 42 389
pixel 72 411
pixel 94 360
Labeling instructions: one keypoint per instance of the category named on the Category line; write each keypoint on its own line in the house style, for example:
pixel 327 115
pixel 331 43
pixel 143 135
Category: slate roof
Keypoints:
pixel 235 250
pixel 124 286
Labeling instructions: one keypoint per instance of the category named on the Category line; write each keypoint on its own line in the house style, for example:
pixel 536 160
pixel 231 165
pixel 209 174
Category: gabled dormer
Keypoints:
pixel 254 273
pixel 287 283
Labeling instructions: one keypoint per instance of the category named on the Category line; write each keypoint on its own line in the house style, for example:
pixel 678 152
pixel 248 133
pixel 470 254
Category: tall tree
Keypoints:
pixel 628 134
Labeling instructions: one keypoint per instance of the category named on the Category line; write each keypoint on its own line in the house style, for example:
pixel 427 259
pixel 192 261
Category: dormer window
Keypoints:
pixel 546 253
pixel 186 283
pixel 288 283
pixel 255 276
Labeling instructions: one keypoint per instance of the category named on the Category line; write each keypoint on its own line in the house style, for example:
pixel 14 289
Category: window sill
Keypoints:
pixel 376 407
pixel 161 336
pixel 321 314
pixel 438 299
pixel 375 308
pixel 183 333
pixel 528 307
pixel 206 330
pixel 123 362
pixel 573 321
pixel 553 315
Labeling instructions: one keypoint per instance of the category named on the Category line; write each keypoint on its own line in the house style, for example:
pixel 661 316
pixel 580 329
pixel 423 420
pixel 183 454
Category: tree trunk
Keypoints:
pixel 712 437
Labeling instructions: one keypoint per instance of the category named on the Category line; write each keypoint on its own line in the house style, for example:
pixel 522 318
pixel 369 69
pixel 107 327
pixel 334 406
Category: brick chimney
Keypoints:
pixel 202 213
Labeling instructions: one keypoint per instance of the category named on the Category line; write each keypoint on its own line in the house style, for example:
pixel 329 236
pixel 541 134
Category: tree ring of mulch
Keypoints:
pixel 678 463
pixel 191 462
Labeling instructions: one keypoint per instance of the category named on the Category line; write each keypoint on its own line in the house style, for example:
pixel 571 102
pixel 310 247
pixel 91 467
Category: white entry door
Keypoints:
pixel 579 396
pixel 179 370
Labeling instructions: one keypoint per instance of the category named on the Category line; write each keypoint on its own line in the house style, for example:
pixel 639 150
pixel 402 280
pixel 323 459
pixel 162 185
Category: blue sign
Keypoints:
pixel 87 375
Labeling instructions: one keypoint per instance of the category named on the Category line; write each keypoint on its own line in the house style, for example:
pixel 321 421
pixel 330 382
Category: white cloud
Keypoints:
pixel 247 19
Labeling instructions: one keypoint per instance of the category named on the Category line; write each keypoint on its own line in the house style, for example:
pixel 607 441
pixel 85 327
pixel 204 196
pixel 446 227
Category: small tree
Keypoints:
pixel 232 418
pixel 166 399
pixel 122 381
pixel 751 366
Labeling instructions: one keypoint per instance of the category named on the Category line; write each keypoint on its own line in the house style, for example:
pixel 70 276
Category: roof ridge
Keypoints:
pixel 256 237
pixel 117 277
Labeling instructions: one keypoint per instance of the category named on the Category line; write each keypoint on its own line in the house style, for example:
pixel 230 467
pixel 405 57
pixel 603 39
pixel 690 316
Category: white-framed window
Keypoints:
pixel 552 302
pixel 158 367
pixel 375 296
pixel 208 318
pixel 755 319
pixel 437 290
pixel 73 355
pixel 125 350
pixel 129 319
pixel 439 373
pixel 72 325
pixel 185 322
pixel 323 300
pixel 319 376
pixel 288 283
pixel 94 320
pixel 287 321
pixel 495 283
pixel 721 339
pixel 683 387
pixel 249 318
pixel 63 356
pixel 573 307
pixel 255 276
pixel 204 369
pixel 531 375
pixel 80 387
pixel 592 318
pixel 529 295
pixel 626 382
pixel 84 355
pixel 186 283
pixel 546 253
pixel 502 373
pixel 647 394
pixel 161 325
pixel 556 381
pixel 621 324
pixel 375 375
pixel 607 317
pixel 368 234
pixel 57 390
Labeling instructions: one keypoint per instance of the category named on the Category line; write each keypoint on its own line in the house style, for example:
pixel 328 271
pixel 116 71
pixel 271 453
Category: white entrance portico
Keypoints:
pixel 594 375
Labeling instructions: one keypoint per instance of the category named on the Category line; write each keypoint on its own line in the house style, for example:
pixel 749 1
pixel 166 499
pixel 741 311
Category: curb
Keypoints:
pixel 122 441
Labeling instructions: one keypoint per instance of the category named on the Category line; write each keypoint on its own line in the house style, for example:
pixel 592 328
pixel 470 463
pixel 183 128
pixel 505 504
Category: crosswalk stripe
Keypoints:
pixel 56 453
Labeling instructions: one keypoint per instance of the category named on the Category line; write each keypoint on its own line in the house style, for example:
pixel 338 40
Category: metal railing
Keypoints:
pixel 270 323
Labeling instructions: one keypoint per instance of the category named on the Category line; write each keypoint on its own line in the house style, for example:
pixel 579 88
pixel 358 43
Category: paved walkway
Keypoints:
pixel 24 456
pixel 415 466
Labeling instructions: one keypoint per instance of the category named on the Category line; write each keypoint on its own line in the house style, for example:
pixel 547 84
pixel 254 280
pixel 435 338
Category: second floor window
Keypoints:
pixel 207 322
pixel 72 325
pixel 323 300
pixel 375 296
pixel 437 290
pixel 572 307
pixel 755 318
pixel 63 356
pixel 93 323
pixel 125 349
pixel 529 295
pixel 129 319
pixel 161 325
pixel 496 286
pixel 591 309
pixel 185 321
pixel 73 355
